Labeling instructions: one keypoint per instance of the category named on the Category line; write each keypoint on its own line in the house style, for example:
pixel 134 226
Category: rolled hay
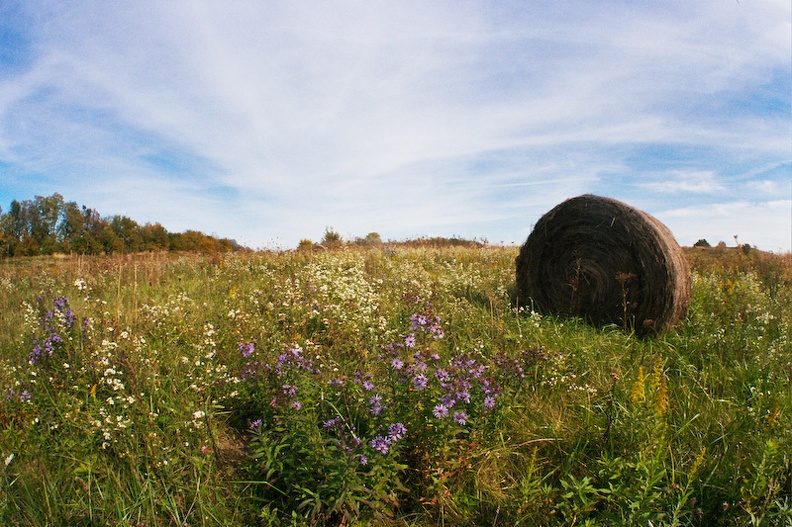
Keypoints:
pixel 602 260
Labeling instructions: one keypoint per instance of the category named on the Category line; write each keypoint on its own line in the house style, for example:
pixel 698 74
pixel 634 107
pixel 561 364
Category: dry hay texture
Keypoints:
pixel 602 260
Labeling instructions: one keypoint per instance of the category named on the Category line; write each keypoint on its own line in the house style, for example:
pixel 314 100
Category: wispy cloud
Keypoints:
pixel 270 121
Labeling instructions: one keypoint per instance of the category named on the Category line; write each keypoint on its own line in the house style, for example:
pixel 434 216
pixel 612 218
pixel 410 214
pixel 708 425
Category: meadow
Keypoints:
pixel 373 386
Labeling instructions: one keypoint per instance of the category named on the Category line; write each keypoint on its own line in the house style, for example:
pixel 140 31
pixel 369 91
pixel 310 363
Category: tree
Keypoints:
pixel 128 231
pixel 155 237
pixel 45 215
pixel 331 238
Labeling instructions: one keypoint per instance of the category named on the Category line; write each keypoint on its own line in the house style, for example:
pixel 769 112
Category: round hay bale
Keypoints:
pixel 609 263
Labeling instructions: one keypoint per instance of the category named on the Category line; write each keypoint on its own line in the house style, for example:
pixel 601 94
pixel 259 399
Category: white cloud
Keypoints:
pixel 677 181
pixel 767 224
pixel 405 118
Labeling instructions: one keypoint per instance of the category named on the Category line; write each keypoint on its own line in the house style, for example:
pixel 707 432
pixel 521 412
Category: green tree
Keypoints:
pixel 154 237
pixel 45 214
pixel 128 231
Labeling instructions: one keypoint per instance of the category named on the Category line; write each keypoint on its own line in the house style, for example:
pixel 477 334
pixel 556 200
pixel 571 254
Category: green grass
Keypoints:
pixel 266 389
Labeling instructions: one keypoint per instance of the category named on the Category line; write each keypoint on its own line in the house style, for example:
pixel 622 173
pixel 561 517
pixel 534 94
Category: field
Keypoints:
pixel 371 386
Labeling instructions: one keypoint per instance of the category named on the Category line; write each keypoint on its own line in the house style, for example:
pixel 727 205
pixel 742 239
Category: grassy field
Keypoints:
pixel 384 387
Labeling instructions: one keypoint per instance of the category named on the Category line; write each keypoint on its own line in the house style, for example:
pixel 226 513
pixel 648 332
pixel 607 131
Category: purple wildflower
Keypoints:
pixel 440 411
pixel 25 396
pixel 397 431
pixel 289 390
pixel 255 424
pixel 368 385
pixel 380 444
pixel 419 382
pixel 247 349
pixel 296 405
pixel 489 402
pixel 460 418
pixel 409 341
pixel 363 459
pixel 397 364
pixel 375 404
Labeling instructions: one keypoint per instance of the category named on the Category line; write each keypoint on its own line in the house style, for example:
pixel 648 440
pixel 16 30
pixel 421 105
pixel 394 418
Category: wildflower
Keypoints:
pixel 255 424
pixel 380 444
pixel 247 349
pixel 397 364
pixel 296 405
pixel 440 411
pixel 397 431
pixel 409 341
pixel 25 396
pixel 199 414
pixel 289 390
pixel 363 459
pixel 419 382
pixel 375 404
pixel 330 423
pixel 460 418
pixel 489 402
pixel 368 385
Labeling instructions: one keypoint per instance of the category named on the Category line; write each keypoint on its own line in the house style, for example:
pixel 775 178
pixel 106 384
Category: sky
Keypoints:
pixel 269 122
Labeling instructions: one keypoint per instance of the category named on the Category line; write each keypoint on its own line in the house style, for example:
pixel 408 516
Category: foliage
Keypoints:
pixel 49 225
pixel 396 386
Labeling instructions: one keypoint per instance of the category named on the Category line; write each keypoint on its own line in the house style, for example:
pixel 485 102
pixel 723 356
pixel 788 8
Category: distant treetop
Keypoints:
pixel 48 225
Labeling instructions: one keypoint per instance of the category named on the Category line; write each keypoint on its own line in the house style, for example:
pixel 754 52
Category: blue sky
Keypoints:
pixel 268 122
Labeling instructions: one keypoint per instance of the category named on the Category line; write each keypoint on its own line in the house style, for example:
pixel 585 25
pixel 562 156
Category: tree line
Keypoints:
pixel 48 225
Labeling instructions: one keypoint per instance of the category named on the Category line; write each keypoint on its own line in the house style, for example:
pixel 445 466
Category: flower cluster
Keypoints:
pixel 56 320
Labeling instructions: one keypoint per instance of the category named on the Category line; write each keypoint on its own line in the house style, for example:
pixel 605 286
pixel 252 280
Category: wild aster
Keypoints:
pixel 363 459
pixel 448 401
pixel 397 364
pixel 255 424
pixel 409 341
pixel 375 404
pixel 440 411
pixel 460 418
pixel 380 444
pixel 489 402
pixel 330 423
pixel 25 396
pixel 419 382
pixel 289 390
pixel 247 349
pixel 397 431
pixel 368 385
pixel 296 405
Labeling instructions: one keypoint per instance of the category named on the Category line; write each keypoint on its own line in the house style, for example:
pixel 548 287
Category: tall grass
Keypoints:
pixel 383 387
